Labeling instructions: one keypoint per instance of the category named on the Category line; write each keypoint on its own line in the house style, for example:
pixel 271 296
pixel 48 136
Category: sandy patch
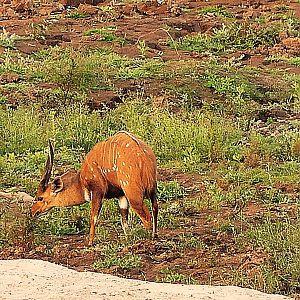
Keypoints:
pixel 35 279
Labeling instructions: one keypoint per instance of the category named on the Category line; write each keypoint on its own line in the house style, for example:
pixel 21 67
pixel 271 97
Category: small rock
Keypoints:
pixel 2 11
pixel 41 248
pixel 129 9
pixel 50 9
pixel 88 9
pixel 9 78
pixel 291 42
pixel 22 6
pixel 25 197
pixel 7 12
pixel 66 38
pixel 21 195
pixel 5 2
pixel 76 3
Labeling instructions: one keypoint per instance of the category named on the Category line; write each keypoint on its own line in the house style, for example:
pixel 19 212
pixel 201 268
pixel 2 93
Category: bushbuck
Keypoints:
pixel 122 167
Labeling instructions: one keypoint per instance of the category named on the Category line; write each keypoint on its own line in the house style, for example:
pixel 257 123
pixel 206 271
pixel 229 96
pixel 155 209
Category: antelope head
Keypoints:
pixel 64 190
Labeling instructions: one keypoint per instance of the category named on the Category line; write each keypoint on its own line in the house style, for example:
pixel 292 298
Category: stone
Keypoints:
pixel 76 3
pixel 2 2
pixel 88 9
pixel 50 9
pixel 291 42
pixel 22 6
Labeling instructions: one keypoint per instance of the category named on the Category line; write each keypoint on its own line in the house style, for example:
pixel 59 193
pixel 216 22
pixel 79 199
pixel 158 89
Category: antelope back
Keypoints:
pixel 123 161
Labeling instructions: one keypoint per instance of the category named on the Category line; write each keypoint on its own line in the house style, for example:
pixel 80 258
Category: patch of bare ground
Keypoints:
pixel 204 246
pixel 149 22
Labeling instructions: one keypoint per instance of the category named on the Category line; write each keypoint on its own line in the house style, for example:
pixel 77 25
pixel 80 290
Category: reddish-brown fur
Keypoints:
pixel 121 167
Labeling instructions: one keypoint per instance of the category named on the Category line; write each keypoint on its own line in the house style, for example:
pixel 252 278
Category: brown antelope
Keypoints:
pixel 121 167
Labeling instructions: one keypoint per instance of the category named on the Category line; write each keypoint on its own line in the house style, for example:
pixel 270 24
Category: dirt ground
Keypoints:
pixel 49 25
pixel 135 22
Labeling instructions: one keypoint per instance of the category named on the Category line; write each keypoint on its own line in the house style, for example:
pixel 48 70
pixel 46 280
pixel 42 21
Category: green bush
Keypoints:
pixel 126 262
pixel 231 37
pixel 169 190
pixel 281 241
pixel 106 34
pixel 219 11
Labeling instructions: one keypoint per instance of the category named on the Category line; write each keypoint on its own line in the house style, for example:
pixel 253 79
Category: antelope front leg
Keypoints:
pixel 95 210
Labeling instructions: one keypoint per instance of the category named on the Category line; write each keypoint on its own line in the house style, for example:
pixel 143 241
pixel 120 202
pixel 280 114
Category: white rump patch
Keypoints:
pixel 123 203
pixel 87 195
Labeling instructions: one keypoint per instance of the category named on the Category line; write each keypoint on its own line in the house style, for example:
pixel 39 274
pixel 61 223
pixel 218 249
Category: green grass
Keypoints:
pixel 282 7
pixel 281 241
pixel 8 40
pixel 218 11
pixel 78 15
pixel 185 141
pixel 77 128
pixel 93 70
pixel 171 276
pixel 236 35
pixel 231 37
pixel 111 258
pixel 169 190
pixel 295 61
pixel 126 262
pixel 64 221
pixel 107 34
pixel 200 118
pixel 71 76
pixel 183 242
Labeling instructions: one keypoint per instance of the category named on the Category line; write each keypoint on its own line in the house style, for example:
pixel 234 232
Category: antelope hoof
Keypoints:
pixel 154 235
pixel 90 243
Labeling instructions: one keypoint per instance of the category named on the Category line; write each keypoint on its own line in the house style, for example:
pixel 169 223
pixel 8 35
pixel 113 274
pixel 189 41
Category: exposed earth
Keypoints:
pixel 145 27
pixel 48 25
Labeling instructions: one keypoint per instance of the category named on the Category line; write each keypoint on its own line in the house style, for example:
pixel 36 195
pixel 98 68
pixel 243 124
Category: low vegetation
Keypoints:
pixel 234 35
pixel 226 136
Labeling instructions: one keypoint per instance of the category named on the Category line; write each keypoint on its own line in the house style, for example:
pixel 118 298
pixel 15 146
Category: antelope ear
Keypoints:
pixel 57 185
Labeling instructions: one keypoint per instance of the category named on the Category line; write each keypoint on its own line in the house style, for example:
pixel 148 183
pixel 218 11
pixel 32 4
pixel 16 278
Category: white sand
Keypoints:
pixel 35 279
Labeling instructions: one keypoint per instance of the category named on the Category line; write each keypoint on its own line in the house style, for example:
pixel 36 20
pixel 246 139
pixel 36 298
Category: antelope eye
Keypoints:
pixel 39 199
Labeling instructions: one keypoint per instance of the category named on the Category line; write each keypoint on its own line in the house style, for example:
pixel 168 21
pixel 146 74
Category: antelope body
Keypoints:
pixel 121 167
